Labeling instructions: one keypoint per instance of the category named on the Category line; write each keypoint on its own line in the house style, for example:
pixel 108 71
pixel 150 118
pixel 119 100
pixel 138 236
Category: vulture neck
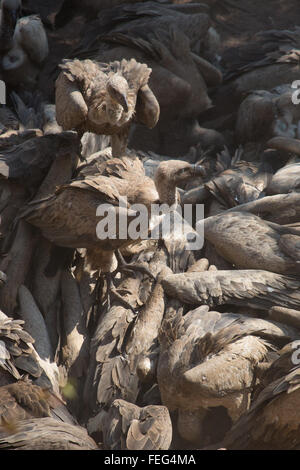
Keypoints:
pixel 168 194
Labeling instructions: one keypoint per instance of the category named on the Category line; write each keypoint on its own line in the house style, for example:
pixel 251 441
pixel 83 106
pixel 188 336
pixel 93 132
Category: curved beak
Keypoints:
pixel 123 102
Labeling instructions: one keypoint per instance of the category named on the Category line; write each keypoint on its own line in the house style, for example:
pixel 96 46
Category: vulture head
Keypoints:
pixel 174 173
pixel 116 98
pixel 114 108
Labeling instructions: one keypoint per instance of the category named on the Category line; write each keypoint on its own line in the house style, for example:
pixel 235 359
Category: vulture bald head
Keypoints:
pixel 173 173
pixel 114 108
pixel 117 88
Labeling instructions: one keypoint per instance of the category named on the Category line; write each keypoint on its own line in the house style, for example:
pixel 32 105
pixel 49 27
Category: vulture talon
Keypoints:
pixel 128 267
pixel 114 294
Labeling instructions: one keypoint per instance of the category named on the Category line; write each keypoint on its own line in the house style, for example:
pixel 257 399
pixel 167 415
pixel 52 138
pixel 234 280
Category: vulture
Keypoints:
pixel 28 163
pixel 69 217
pixel 23 400
pixel 65 10
pixel 285 315
pixel 207 360
pixel 171 39
pixel 124 346
pixel 287 178
pixel 46 434
pixel 248 288
pixel 270 60
pixel 10 10
pixel 19 356
pixel 126 426
pixel 281 209
pixel 272 422
pixel 265 114
pixel 22 62
pixel 121 369
pixel 248 242
pixel 105 99
pixel 232 180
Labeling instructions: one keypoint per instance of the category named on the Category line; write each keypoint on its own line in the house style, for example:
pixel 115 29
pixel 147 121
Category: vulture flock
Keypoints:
pixel 148 342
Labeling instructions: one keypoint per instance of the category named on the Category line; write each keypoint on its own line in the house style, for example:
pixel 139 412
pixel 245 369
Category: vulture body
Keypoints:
pixel 171 39
pixel 231 181
pixel 287 178
pixel 105 98
pixel 269 61
pixel 29 162
pixel 46 434
pixel 128 427
pixel 68 217
pixel 23 400
pixel 207 360
pixel 19 356
pixel 9 13
pixel 272 423
pixel 22 62
pixel 248 242
pixel 253 288
pixel 265 114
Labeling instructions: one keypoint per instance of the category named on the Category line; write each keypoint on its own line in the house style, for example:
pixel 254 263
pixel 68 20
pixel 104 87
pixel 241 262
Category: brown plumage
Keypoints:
pixel 285 315
pixel 121 339
pixel 272 423
pixel 23 400
pixel 18 354
pixel 231 180
pixel 128 427
pixel 46 434
pixel 207 360
pixel 253 288
pixel 248 242
pixel 265 114
pixel 268 61
pixel 281 209
pixel 105 98
pixel 22 62
pixel 171 39
pixel 29 162
pixel 287 178
pixel 68 217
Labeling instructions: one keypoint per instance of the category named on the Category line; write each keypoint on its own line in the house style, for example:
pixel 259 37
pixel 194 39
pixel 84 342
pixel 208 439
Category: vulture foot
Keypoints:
pixel 128 267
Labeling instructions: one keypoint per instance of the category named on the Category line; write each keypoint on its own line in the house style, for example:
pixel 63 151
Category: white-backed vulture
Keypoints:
pixel 248 242
pixel 22 400
pixel 128 427
pixel 207 360
pixel 22 62
pixel 272 423
pixel 249 288
pixel 105 98
pixel 68 217
pixel 46 434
